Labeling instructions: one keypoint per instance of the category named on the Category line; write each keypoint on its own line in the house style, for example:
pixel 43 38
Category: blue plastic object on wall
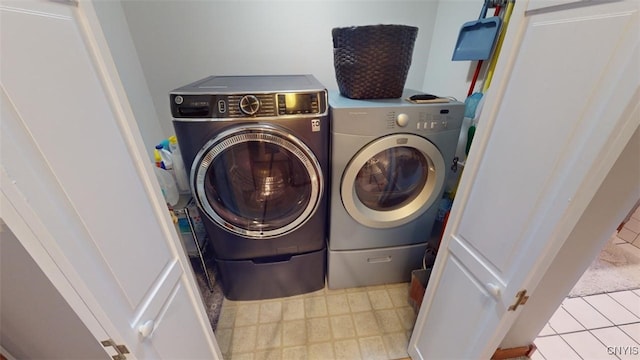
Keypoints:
pixel 477 38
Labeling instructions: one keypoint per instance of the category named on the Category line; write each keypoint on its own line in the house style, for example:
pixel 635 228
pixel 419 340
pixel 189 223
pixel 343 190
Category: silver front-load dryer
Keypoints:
pixel 390 161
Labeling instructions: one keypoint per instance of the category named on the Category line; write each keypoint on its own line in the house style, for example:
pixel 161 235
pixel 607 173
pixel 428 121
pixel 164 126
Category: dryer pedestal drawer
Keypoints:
pixel 353 268
pixel 256 279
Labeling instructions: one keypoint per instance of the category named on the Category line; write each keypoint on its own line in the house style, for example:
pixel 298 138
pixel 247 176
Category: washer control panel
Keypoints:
pixel 434 121
pixel 248 105
pixel 421 121
pixel 402 120
pixel 387 116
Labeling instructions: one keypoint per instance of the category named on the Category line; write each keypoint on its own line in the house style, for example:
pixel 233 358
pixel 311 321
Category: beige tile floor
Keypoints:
pixel 360 323
pixel 603 326
pixel 376 323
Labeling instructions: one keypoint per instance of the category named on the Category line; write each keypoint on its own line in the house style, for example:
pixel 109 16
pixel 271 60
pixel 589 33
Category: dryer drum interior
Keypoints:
pixel 392 178
pixel 257 182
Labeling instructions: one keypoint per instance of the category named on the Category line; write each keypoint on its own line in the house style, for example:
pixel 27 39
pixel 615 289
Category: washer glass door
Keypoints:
pixel 257 181
pixel 392 180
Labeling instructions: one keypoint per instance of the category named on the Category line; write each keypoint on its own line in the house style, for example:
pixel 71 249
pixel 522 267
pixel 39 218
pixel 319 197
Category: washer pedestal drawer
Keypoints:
pixel 354 268
pixel 270 278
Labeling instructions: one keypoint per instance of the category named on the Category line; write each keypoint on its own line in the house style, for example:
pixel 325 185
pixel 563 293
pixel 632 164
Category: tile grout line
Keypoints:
pixel 586 329
pixel 599 312
pixel 384 347
pixel 629 335
pixel 583 330
pixel 598 339
pixel 620 291
pixel 624 307
pixel 625 333
pixel 571 347
pixel 541 354
pixel 574 318
pixel 614 325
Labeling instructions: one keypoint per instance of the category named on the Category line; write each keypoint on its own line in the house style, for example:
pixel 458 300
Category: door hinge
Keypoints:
pixel 120 349
pixel 521 299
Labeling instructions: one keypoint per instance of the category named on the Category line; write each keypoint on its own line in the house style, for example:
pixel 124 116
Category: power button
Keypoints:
pixel 222 106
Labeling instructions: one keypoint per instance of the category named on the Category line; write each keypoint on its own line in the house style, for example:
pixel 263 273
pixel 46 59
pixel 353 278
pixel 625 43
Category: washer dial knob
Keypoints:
pixel 402 120
pixel 249 104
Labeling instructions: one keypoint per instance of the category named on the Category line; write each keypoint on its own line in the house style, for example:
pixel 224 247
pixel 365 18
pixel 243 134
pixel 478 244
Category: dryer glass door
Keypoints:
pixel 392 180
pixel 257 181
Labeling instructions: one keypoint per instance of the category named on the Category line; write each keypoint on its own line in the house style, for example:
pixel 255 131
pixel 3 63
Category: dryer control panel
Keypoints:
pixel 420 121
pixel 442 120
pixel 386 116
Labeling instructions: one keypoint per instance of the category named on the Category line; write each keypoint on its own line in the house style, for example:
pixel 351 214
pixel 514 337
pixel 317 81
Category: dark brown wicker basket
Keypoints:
pixel 372 61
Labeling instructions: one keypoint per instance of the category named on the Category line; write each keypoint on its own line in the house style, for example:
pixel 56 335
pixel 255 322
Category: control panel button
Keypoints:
pixel 222 106
pixel 402 120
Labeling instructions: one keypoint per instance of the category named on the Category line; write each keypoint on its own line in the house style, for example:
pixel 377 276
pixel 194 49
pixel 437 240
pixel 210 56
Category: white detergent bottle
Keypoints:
pixel 167 185
pixel 166 162
pixel 178 166
pixel 167 158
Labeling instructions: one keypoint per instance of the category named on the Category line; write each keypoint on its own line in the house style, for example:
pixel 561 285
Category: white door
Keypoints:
pixel 562 107
pixel 74 170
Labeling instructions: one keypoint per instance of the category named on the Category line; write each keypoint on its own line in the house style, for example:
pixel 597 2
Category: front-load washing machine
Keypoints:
pixel 257 148
pixel 391 159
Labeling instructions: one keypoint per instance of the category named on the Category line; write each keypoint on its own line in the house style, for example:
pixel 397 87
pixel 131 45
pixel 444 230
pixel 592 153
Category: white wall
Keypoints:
pixel 443 76
pixel 116 31
pixel 178 42
pixel 175 42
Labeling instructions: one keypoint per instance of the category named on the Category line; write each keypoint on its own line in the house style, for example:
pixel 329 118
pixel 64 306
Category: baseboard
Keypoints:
pixel 5 355
pixel 633 210
pixel 502 354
